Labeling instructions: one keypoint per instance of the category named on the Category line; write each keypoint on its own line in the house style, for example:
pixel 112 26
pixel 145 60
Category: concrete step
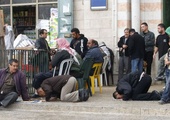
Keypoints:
pixel 98 107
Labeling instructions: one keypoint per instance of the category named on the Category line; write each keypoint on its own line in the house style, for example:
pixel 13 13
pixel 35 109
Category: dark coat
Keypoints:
pixel 127 83
pixel 121 43
pixel 42 44
pixel 76 44
pixel 54 85
pixel 136 46
pixel 149 38
pixel 59 56
pixel 95 53
pixel 20 82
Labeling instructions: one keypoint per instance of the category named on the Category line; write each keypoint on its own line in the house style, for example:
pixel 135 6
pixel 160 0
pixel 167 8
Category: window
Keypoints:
pixel 6 10
pixel 4 2
pixel 46 0
pixel 23 1
pixel 44 11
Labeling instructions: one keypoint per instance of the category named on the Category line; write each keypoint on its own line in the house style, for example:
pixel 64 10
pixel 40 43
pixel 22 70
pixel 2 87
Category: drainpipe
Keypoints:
pixel 135 14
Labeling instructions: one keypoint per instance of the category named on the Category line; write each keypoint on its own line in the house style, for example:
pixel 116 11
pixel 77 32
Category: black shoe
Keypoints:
pixel 35 96
pixel 83 95
pixel 86 95
pixel 156 94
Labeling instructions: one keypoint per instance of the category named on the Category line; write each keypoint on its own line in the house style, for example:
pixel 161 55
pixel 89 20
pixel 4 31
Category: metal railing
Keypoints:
pixel 31 62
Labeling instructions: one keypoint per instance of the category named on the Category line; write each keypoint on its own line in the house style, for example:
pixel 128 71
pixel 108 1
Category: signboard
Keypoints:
pixel 98 4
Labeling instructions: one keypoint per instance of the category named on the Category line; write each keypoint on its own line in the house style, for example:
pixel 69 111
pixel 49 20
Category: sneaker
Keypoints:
pixel 161 102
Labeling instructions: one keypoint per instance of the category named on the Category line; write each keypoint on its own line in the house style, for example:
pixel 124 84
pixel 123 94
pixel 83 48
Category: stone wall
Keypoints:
pixel 108 25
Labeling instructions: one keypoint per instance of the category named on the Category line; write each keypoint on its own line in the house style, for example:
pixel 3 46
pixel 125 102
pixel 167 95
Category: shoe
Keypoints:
pixel 83 94
pixel 156 94
pixel 160 78
pixel 86 95
pixel 35 96
pixel 161 102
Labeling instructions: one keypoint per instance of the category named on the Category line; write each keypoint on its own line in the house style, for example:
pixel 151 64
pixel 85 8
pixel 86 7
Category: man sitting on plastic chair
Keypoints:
pixel 97 54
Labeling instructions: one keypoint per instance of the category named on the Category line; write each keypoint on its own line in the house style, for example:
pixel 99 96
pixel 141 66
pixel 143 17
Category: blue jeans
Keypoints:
pixel 137 64
pixel 166 93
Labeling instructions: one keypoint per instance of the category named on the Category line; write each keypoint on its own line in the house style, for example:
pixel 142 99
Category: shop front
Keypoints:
pixel 27 16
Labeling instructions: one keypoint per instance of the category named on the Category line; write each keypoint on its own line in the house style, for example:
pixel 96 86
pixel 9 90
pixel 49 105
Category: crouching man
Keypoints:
pixel 12 84
pixel 63 87
pixel 135 86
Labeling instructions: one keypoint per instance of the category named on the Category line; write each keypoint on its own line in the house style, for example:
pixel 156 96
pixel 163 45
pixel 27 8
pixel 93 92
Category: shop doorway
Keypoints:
pixel 24 20
pixel 166 11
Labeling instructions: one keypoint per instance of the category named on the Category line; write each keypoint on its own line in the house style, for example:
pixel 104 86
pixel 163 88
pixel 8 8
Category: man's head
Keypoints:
pixel 13 65
pixel 75 33
pixel 161 28
pixel 116 95
pixel 144 27
pixel 40 92
pixel 132 31
pixel 91 43
pixel 43 33
pixel 126 32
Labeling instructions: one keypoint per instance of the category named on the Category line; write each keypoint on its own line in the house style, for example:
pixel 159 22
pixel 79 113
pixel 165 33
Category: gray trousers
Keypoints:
pixel 8 99
pixel 161 67
pixel 68 92
pixel 124 64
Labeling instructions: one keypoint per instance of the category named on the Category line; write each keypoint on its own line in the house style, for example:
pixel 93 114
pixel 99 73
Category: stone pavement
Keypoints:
pixel 98 107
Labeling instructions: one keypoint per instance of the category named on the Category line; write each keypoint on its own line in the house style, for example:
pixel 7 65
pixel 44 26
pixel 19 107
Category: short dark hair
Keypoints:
pixel 114 95
pixel 162 25
pixel 42 31
pixel 132 30
pixel 12 60
pixel 144 23
pixel 76 30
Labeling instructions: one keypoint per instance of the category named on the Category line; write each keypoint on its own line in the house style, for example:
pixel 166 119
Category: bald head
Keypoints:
pixel 91 43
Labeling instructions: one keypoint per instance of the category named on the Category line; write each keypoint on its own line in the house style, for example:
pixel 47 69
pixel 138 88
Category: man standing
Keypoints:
pixel 149 46
pixel 124 60
pixel 79 42
pixel 12 84
pixel 94 51
pixel 136 47
pixel 43 57
pixel 162 45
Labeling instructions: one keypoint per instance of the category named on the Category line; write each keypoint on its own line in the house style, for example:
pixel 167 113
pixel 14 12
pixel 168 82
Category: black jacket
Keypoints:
pixel 121 43
pixel 149 38
pixel 127 83
pixel 59 56
pixel 136 46
pixel 41 43
pixel 54 85
pixel 76 44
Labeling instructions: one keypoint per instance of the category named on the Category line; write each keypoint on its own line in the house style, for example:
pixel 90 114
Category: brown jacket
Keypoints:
pixel 54 85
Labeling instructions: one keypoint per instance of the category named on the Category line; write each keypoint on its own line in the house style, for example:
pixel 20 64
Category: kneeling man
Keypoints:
pixel 63 87
pixel 135 86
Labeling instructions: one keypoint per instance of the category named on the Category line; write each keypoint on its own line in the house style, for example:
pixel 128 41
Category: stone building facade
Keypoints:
pixel 108 25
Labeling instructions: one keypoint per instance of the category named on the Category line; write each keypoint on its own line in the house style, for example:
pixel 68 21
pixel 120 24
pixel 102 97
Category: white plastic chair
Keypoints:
pixel 106 60
pixel 68 63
